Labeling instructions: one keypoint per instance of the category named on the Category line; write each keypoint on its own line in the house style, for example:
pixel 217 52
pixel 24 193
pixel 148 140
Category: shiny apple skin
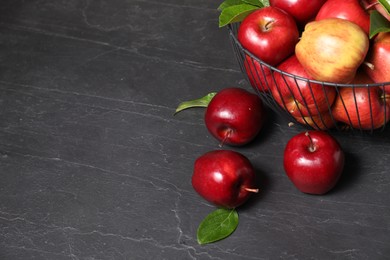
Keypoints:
pixel 362 108
pixel 269 33
pixel 351 10
pixel 313 172
pixel 235 116
pixel 301 10
pixel 222 177
pixel 299 97
pixel 259 75
pixel 330 54
pixel 379 56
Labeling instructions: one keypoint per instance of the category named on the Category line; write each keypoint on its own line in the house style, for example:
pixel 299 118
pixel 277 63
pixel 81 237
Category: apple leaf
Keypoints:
pixel 254 2
pixel 235 13
pixel 378 23
pixel 228 3
pixel 200 102
pixel 218 225
pixel 386 5
pixel 265 2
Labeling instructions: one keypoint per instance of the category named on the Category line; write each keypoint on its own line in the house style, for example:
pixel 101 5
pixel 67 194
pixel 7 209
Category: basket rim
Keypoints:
pixel 313 81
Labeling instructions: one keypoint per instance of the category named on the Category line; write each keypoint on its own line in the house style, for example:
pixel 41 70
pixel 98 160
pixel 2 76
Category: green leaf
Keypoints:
pixel 235 13
pixel 228 3
pixel 218 225
pixel 386 5
pixel 200 102
pixel 378 23
pixel 254 2
pixel 265 2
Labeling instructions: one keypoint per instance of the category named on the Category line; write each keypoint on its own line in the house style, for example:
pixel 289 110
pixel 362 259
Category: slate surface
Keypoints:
pixel 94 165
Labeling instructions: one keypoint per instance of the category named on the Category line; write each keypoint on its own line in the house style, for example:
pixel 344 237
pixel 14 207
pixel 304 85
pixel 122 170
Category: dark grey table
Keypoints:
pixel 94 165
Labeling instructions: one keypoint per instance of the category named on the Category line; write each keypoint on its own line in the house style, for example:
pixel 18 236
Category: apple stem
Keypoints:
pixel 228 133
pixel 369 65
pixel 312 147
pixel 252 190
pixel 266 26
pixel 368 7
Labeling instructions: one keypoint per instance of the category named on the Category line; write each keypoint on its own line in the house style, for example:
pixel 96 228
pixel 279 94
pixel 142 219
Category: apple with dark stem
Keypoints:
pixel 301 10
pixel 225 178
pixel 351 10
pixel 269 33
pixel 313 161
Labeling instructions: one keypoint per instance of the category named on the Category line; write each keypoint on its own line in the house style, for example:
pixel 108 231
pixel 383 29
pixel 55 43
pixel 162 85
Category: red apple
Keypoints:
pixel 313 161
pixel 379 57
pixel 235 116
pixel 364 108
pixel 351 10
pixel 296 94
pixel 301 10
pixel 259 75
pixel 225 178
pixel 269 33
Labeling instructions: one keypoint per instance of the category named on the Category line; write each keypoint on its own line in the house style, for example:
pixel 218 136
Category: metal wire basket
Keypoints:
pixel 315 104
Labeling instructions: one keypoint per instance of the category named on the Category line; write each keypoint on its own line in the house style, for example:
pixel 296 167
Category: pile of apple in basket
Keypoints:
pixel 325 63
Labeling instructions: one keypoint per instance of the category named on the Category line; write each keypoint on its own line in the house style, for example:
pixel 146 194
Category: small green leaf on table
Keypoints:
pixel 218 225
pixel 378 23
pixel 200 102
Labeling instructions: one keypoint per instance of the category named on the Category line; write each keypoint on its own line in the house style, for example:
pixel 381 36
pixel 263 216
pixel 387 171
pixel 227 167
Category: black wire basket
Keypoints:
pixel 315 104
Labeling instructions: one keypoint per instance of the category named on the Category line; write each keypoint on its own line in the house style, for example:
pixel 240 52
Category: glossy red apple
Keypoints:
pixel 351 10
pixel 313 161
pixel 269 33
pixel 225 178
pixel 301 10
pixel 296 94
pixel 259 74
pixel 364 108
pixel 235 116
pixel 379 57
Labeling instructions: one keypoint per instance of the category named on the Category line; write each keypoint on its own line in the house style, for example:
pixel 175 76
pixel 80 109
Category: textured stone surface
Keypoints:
pixel 94 165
